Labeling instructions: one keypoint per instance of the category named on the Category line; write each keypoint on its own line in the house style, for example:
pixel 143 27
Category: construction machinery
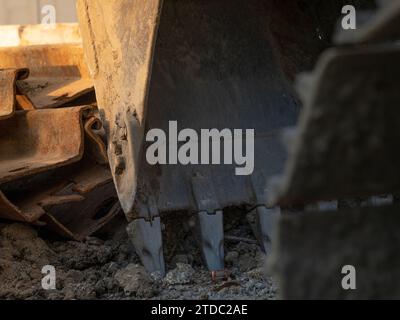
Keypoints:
pixel 344 148
pixel 222 64
pixel 53 162
pixel 204 64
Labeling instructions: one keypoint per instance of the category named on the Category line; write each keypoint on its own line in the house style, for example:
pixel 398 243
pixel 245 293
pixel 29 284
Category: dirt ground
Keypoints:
pixel 105 266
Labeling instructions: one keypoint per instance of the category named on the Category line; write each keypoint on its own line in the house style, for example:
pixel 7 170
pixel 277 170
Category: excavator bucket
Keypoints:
pixel 197 65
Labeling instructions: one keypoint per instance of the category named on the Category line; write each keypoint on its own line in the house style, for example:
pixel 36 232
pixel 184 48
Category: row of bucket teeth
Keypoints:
pixel 146 236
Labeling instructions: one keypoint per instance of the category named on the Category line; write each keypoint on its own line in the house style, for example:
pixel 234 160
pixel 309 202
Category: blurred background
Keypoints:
pixel 29 11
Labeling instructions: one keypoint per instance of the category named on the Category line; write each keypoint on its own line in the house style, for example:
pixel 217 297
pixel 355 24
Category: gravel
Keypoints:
pixel 106 266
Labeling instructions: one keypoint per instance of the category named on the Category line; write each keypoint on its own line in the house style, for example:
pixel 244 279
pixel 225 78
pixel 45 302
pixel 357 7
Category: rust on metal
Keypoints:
pixel 53 162
pixel 38 140
pixel 93 128
pixel 97 208
pixel 220 275
pixel 58 74
pixel 8 79
pixel 72 209
pixel 23 102
pixel 8 210
pixel 68 198
pixel 122 96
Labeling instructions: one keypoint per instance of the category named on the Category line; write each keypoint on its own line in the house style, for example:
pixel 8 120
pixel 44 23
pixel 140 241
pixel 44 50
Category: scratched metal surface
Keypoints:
pixel 214 67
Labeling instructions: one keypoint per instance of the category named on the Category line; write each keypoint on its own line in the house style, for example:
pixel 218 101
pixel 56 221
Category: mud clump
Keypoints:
pixel 84 270
pixel 136 281
pixel 22 256
pixel 107 267
pixel 182 274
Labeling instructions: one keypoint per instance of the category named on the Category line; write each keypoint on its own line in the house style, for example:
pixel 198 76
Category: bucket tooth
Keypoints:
pixel 263 221
pixel 147 239
pixel 211 238
pixel 265 224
